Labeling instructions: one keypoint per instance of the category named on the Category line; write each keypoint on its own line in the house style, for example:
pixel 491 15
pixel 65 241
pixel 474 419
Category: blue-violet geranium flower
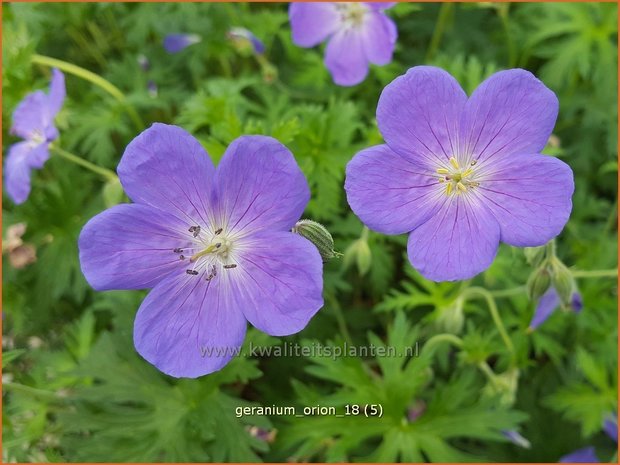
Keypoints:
pixel 549 302
pixel 214 244
pixel 174 43
pixel 359 33
pixel 460 174
pixel 33 121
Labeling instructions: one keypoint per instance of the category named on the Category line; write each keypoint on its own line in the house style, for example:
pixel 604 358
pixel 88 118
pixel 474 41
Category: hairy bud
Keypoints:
pixel 319 236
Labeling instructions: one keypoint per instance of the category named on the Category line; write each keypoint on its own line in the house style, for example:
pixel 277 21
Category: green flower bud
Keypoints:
pixel 358 252
pixel 538 282
pixel 451 317
pixel 319 236
pixel 563 281
pixel 505 386
pixel 113 193
pixel 534 255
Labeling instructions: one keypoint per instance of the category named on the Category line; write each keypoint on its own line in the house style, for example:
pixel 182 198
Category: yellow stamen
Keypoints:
pixel 467 172
pixel 449 189
pixel 454 163
pixel 442 171
pixel 206 251
pixel 461 186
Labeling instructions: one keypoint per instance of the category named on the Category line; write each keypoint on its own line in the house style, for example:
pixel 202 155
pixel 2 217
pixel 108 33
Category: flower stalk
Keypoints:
pixel 106 173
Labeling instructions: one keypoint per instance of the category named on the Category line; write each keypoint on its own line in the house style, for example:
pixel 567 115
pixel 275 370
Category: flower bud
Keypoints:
pixel 538 282
pixel 563 281
pixel 534 255
pixel 451 318
pixel 113 193
pixel 319 236
pixel 358 252
pixel 505 386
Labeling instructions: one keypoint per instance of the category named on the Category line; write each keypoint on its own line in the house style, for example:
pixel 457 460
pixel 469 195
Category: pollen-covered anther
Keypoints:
pixel 456 179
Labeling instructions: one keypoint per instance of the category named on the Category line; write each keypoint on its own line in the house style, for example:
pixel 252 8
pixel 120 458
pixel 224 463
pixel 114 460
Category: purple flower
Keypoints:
pixel 215 246
pixel 462 174
pixel 610 426
pixel 174 43
pixel 585 455
pixel 358 33
pixel 241 36
pixel 517 438
pixel 33 121
pixel 550 302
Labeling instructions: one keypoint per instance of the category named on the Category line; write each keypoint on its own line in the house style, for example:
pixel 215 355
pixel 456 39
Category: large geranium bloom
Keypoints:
pixel 462 174
pixel 215 246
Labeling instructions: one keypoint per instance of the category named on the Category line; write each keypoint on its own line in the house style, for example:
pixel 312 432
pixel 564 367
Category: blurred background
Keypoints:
pixel 74 388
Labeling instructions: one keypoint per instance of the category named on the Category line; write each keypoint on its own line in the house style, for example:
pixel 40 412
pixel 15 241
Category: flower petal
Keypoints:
pixel 529 195
pixel 585 455
pixel 259 185
pixel 17 172
pixel 187 328
pixel 389 193
pixel 511 112
pixel 418 115
pixel 379 37
pixel 345 57
pixel 57 92
pixel 457 243
pixel 312 22
pixel 174 43
pixel 167 168
pixel 130 246
pixel 278 282
pixel 381 5
pixel 547 304
pixel 31 116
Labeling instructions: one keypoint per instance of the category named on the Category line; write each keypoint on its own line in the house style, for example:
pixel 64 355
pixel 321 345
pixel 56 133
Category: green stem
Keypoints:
pixel 486 369
pixel 503 15
pixel 439 338
pixel 473 291
pixel 508 292
pixel 342 322
pixel 28 390
pixel 595 273
pixel 106 173
pixel 94 79
pixel 440 26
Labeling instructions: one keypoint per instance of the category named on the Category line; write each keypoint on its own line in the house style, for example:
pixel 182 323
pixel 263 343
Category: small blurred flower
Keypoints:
pixel 215 246
pixel 33 121
pixel 144 63
pixel 358 34
pixel 268 436
pixel 462 174
pixel 20 254
pixel 516 438
pixel 416 410
pixel 174 43
pixel 610 426
pixel 585 455
pixel 152 88
pixel 244 40
pixel 549 302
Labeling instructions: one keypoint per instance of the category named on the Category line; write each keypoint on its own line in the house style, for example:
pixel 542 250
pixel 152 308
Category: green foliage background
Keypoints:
pixel 75 390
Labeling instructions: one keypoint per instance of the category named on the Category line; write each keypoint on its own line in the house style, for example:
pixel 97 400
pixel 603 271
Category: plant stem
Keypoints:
pixel 473 291
pixel 106 173
pixel 342 322
pixel 502 11
pixel 595 273
pixel 508 292
pixel 28 390
pixel 440 26
pixel 93 78
pixel 439 338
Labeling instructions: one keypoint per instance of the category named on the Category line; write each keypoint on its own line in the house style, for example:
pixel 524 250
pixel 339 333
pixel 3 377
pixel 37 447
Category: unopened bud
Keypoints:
pixel 563 281
pixel 358 252
pixel 538 282
pixel 534 255
pixel 451 318
pixel 319 236
pixel 505 386
pixel 112 192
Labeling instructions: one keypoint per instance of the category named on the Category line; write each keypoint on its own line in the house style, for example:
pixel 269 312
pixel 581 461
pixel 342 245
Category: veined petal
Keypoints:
pixel 457 243
pixel 529 195
pixel 167 168
pixel 511 112
pixel 418 115
pixel 131 246
pixel 345 57
pixel 31 116
pixel 259 185
pixel 57 92
pixel 389 193
pixel 379 38
pixel 278 282
pixel 187 328
pixel 312 22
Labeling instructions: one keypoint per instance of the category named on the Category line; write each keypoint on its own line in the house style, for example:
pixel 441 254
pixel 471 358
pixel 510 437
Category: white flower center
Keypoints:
pixel 458 179
pixel 352 14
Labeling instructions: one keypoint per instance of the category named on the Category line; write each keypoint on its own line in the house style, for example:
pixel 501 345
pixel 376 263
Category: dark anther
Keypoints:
pixel 473 163
pixel 218 245
pixel 212 274
pixel 228 267
pixel 192 272
pixel 218 231
pixel 182 257
pixel 192 228
pixel 178 250
pixel 195 230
